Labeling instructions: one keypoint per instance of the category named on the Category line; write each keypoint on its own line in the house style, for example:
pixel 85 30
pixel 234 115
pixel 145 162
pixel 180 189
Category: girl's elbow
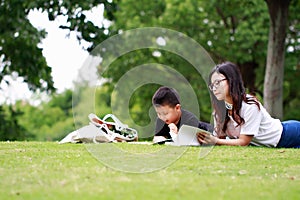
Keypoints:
pixel 245 140
pixel 244 144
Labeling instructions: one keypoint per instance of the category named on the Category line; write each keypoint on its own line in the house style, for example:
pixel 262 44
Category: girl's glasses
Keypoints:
pixel 216 84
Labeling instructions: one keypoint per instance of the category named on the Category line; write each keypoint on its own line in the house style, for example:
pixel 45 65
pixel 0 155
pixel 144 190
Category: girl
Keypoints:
pixel 240 119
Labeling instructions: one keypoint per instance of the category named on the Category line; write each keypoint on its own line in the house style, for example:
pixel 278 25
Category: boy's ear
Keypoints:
pixel 178 106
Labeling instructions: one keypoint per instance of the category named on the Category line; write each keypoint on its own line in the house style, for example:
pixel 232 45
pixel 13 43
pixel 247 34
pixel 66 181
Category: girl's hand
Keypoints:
pixel 206 138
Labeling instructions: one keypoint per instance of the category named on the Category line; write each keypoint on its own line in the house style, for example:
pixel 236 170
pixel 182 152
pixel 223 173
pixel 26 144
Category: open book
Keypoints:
pixel 187 136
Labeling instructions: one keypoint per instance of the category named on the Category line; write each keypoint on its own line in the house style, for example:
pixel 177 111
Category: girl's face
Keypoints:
pixel 219 86
pixel 168 114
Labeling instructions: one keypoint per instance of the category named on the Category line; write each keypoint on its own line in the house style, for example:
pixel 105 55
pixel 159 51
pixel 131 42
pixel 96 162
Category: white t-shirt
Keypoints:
pixel 266 130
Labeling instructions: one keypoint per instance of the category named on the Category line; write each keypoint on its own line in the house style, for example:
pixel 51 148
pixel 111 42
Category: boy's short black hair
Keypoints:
pixel 166 96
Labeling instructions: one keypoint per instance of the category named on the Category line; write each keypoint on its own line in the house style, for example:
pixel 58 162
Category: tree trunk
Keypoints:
pixel 273 83
pixel 248 73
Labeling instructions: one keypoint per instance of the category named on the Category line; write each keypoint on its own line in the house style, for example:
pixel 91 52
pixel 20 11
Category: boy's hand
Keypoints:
pixel 173 128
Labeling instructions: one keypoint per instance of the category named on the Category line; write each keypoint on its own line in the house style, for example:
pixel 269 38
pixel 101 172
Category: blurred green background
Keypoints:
pixel 228 30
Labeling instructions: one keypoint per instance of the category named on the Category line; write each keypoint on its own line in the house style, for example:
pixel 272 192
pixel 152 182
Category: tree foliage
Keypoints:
pixel 19 51
pixel 10 128
pixel 228 30
pixel 50 120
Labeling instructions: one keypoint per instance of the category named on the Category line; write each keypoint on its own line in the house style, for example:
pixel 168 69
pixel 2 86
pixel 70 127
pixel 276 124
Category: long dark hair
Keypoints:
pixel 237 92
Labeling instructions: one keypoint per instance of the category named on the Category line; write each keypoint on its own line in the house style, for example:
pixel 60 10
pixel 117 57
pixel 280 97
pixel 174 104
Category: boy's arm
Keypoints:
pixel 157 139
pixel 162 129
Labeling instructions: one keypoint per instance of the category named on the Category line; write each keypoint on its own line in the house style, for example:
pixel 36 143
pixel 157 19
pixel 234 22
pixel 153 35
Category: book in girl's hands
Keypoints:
pixel 187 136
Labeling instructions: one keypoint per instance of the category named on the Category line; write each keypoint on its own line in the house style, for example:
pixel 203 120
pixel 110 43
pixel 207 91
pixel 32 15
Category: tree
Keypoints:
pixel 241 27
pixel 10 127
pixel 48 121
pixel 273 84
pixel 19 51
pixel 215 25
pixel 20 54
pixel 76 17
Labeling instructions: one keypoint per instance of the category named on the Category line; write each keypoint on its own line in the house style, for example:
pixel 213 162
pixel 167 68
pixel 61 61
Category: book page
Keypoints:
pixel 187 136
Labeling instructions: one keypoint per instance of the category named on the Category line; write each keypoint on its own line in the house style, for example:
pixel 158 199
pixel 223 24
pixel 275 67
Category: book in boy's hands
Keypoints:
pixel 187 136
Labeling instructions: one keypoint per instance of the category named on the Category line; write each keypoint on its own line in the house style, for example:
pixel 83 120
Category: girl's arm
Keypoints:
pixel 243 140
pixel 205 138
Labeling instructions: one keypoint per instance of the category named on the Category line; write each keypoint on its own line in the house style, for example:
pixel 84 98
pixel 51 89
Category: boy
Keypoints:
pixel 170 116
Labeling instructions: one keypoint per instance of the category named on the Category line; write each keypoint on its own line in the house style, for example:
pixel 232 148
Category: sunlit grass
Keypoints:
pixel 45 170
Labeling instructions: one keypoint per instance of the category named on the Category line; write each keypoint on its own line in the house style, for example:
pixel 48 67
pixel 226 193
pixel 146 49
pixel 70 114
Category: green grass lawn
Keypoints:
pixel 47 170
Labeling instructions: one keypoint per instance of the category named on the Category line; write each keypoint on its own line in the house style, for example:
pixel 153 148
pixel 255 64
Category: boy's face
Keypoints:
pixel 168 114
